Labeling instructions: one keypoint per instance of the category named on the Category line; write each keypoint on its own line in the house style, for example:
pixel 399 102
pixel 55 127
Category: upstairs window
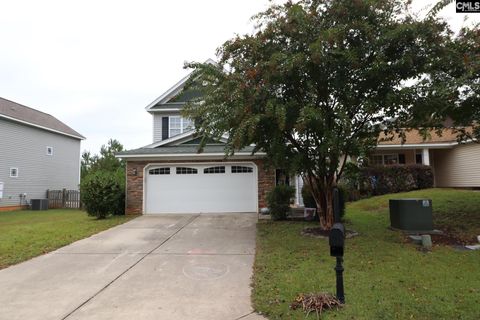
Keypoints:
pixel 13 172
pixel 178 125
pixel 49 151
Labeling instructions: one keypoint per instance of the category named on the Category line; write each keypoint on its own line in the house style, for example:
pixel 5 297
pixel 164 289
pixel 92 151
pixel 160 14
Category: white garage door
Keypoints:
pixel 194 188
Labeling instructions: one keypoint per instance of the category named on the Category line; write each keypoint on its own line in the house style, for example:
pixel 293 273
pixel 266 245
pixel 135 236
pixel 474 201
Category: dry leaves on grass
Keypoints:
pixel 315 302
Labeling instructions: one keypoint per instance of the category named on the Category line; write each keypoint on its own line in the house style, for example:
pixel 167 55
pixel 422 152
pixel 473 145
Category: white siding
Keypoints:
pixel 157 127
pixel 25 148
pixel 458 167
pixel 157 124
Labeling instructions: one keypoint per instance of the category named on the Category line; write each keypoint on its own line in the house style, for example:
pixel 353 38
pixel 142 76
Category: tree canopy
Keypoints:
pixel 102 184
pixel 319 80
pixel 106 161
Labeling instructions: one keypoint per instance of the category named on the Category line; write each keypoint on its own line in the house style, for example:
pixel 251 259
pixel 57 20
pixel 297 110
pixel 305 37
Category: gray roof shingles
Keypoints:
pixel 23 113
pixel 180 149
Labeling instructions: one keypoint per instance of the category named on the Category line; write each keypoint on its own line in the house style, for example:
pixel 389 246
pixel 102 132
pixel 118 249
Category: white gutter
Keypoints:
pixel 164 110
pixel 41 127
pixel 417 145
pixel 185 155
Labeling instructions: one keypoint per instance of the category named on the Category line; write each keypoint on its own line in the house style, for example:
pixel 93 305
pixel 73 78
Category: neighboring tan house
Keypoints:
pixel 454 164
pixel 37 152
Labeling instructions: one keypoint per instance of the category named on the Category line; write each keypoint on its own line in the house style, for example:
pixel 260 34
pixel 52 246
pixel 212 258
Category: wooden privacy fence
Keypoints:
pixel 63 199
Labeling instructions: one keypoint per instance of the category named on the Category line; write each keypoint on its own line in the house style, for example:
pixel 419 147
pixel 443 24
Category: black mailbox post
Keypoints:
pixel 336 241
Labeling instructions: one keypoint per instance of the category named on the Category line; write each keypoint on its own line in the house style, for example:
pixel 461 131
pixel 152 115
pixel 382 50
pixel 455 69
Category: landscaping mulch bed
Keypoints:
pixel 318 232
pixel 446 239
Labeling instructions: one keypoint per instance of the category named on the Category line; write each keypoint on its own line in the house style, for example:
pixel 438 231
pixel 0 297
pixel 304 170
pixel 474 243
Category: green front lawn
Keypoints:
pixel 385 277
pixel 26 234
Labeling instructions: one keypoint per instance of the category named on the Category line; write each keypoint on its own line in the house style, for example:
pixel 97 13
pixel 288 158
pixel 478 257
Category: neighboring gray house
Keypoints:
pixel 37 152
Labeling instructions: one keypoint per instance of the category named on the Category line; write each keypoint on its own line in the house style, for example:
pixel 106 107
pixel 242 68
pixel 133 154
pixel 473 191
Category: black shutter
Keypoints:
pixel 401 158
pixel 164 128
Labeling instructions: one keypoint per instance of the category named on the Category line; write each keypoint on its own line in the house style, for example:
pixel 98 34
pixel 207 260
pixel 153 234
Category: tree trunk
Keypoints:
pixel 323 195
pixel 327 214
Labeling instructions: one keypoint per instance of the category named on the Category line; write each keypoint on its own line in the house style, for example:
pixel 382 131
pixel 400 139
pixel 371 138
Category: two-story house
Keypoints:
pixel 170 176
pixel 37 152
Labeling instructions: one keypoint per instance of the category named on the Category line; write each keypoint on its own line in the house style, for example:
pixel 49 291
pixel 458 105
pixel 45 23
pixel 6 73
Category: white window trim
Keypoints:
pixel 49 154
pixel 10 173
pixel 182 129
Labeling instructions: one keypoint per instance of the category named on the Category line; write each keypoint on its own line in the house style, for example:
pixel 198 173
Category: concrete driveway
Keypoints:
pixel 153 267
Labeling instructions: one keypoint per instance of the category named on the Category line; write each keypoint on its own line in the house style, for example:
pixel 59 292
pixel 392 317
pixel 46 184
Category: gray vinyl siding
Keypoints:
pixel 157 124
pixel 458 167
pixel 25 148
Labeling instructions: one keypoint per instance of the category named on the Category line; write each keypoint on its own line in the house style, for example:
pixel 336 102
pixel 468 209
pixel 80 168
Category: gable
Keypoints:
pixel 196 141
pixel 176 95
pixel 184 96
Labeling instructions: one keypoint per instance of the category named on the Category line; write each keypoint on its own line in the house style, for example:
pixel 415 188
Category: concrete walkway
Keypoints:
pixel 153 267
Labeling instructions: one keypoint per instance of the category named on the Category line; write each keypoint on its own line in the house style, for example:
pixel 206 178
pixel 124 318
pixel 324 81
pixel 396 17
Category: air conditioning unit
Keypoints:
pixel 411 214
pixel 39 204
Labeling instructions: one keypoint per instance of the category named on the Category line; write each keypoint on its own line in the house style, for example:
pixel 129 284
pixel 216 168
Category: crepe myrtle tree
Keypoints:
pixel 451 90
pixel 317 82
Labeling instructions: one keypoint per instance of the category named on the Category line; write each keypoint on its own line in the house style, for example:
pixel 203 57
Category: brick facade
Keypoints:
pixel 134 196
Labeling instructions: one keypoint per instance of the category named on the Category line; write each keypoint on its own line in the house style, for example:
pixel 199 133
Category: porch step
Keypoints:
pixel 296 212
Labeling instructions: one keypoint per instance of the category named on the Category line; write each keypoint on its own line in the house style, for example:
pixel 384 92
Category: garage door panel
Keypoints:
pixel 202 192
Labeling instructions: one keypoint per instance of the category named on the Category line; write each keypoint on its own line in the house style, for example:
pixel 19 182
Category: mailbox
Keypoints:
pixel 336 240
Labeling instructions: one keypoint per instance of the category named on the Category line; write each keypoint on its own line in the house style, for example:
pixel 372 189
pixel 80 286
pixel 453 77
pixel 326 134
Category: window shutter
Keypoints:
pixel 164 128
pixel 401 158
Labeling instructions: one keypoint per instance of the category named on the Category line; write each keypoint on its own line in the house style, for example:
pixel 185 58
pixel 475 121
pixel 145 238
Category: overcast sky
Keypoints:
pixel 95 65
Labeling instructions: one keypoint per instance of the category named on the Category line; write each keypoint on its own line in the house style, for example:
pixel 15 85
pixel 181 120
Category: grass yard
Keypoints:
pixel 385 277
pixel 26 234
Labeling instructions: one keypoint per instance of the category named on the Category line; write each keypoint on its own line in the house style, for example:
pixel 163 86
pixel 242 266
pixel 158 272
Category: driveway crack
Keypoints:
pixel 190 220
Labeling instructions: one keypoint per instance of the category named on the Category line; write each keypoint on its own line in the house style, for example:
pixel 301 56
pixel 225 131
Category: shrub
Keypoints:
pixel 308 200
pixel 278 200
pixel 393 179
pixel 103 193
pixel 342 198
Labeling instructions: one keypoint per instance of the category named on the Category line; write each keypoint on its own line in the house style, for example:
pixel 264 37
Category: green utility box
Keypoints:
pixel 411 214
